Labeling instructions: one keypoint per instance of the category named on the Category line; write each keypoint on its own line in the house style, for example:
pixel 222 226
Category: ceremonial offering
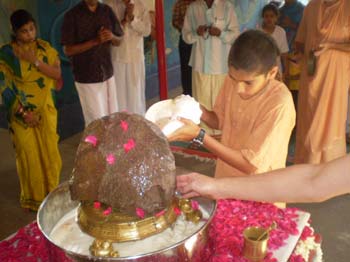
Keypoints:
pixel 255 243
pixel 122 190
pixel 165 113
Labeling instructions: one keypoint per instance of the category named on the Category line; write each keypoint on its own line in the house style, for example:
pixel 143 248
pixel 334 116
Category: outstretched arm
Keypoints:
pixel 232 157
pixel 299 183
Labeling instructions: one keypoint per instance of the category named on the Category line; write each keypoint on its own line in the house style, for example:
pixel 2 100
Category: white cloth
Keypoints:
pixel 130 86
pixel 128 57
pixel 131 46
pixel 280 36
pixel 97 99
pixel 210 53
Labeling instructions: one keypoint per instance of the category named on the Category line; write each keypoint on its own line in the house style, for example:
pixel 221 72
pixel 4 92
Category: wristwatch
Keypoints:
pixel 197 142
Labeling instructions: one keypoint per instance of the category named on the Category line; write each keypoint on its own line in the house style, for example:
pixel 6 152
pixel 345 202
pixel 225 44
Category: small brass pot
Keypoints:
pixel 255 246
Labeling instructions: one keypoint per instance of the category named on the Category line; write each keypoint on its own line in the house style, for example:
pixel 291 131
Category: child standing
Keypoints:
pixel 270 16
pixel 254 111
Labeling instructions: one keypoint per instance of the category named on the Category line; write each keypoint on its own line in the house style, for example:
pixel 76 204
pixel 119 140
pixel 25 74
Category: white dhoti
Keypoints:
pixel 130 84
pixel 97 99
pixel 205 89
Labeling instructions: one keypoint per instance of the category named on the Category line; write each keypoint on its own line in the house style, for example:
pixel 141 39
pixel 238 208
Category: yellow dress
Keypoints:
pixel 38 159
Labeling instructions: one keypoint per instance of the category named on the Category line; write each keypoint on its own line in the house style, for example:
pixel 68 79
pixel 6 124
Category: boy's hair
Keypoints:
pixel 19 18
pixel 270 7
pixel 254 51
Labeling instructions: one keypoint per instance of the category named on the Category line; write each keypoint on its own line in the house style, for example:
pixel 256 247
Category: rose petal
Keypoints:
pixel 108 211
pixel 124 125
pixel 110 159
pixel 97 205
pixel 177 211
pixel 129 145
pixel 140 212
pixel 195 205
pixel 160 213
pixel 91 140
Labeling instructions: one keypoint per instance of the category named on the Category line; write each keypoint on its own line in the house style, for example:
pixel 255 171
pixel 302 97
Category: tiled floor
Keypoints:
pixel 330 219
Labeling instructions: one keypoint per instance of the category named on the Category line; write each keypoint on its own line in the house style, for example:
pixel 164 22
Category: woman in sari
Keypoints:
pixel 29 68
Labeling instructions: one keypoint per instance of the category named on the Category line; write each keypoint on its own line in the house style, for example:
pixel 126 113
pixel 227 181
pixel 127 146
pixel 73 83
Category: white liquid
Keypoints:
pixel 67 234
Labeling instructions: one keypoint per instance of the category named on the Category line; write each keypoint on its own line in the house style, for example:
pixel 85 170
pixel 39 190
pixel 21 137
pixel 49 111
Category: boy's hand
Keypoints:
pixel 185 133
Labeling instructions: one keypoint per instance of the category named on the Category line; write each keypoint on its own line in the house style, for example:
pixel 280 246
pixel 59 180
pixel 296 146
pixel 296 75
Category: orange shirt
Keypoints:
pixel 259 127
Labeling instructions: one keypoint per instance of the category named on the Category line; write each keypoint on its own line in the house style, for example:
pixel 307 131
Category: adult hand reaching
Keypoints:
pixel 194 184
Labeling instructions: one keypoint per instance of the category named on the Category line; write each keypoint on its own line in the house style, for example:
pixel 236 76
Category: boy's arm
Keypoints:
pixel 300 183
pixel 210 118
pixel 232 157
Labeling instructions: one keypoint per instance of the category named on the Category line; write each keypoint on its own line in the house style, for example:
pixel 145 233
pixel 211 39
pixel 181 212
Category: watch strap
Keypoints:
pixel 197 142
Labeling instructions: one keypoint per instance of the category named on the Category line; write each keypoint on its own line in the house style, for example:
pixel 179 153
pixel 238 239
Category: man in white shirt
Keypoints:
pixel 211 27
pixel 128 57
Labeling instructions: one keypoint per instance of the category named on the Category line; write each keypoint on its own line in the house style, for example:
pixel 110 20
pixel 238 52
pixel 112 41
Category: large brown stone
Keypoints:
pixel 143 177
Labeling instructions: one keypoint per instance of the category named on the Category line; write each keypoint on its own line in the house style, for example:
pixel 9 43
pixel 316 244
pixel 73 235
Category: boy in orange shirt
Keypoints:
pixel 254 111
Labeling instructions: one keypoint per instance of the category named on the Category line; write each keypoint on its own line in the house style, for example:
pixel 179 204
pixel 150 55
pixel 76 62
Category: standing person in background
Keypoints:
pixel 211 27
pixel 29 69
pixel 88 31
pixel 290 16
pixel 323 39
pixel 128 58
pixel 179 12
pixel 270 16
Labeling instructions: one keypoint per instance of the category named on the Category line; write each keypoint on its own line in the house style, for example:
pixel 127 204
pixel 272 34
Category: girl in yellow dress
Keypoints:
pixel 29 68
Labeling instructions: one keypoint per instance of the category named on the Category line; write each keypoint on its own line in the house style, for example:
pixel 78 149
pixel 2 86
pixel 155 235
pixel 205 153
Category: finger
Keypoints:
pixel 190 195
pixel 183 180
pixel 184 120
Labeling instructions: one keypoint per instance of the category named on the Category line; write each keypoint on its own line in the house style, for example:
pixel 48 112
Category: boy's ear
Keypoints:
pixel 272 73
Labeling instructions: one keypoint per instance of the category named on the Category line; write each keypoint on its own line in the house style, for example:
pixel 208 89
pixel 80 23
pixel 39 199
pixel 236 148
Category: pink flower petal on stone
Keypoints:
pixel 129 145
pixel 195 205
pixel 124 125
pixel 110 159
pixel 160 213
pixel 91 139
pixel 177 211
pixel 97 205
pixel 108 211
pixel 140 212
